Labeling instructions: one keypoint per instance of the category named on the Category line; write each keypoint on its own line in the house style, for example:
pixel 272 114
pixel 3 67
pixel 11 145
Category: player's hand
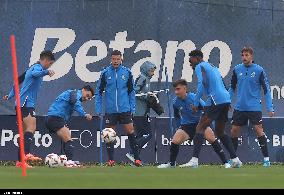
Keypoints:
pixel 51 73
pixel 271 114
pixel 88 117
pixel 194 108
pixel 5 97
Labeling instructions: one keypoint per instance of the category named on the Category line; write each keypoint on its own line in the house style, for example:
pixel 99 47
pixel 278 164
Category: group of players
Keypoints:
pixel 122 105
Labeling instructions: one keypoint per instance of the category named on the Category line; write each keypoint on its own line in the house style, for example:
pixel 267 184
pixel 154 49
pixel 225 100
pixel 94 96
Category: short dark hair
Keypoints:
pixel 47 54
pixel 89 88
pixel 116 53
pixel 196 53
pixel 248 50
pixel 180 82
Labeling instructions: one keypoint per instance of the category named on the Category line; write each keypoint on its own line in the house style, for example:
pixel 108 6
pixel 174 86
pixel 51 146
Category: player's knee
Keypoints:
pixel 259 130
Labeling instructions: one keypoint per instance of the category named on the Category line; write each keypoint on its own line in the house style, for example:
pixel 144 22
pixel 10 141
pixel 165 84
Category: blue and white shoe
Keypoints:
pixel 227 165
pixel 165 166
pixel 266 163
pixel 236 163
pixel 191 163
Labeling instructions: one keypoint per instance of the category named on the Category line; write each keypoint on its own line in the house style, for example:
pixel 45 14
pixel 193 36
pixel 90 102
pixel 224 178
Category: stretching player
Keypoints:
pixel 186 120
pixel 60 112
pixel 216 108
pixel 32 80
pixel 117 82
pixel 247 80
pixel 142 120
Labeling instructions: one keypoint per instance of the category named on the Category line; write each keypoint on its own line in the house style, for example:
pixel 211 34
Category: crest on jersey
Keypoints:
pixel 252 74
pixel 123 77
pixel 241 74
pixel 109 78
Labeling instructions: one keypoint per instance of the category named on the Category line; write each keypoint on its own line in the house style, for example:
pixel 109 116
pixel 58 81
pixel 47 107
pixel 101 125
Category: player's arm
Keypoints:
pixel 37 71
pixel 131 93
pixel 199 92
pixel 140 83
pixel 266 89
pixel 177 117
pixel 21 79
pixel 99 93
pixel 233 85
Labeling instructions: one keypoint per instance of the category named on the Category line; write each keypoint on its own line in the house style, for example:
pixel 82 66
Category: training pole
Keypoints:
pixel 169 102
pixel 101 140
pixel 18 103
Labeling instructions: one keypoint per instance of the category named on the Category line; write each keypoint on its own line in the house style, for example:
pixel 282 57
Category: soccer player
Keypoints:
pixel 117 82
pixel 211 84
pixel 60 112
pixel 186 120
pixel 247 80
pixel 31 81
pixel 142 121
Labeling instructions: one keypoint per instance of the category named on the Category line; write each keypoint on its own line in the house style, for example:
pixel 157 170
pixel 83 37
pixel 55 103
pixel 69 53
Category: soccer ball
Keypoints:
pixel 108 135
pixel 52 160
pixel 62 160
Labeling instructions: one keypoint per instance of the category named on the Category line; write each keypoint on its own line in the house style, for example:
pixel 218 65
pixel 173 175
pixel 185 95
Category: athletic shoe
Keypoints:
pixel 72 164
pixel 111 163
pixel 20 165
pixel 191 163
pixel 31 157
pixel 138 163
pixel 227 165
pixel 236 163
pixel 167 165
pixel 130 157
pixel 266 163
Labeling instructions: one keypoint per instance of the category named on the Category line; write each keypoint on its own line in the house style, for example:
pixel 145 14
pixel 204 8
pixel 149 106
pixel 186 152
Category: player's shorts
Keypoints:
pixel 240 118
pixel 26 111
pixel 217 112
pixel 142 125
pixel 113 119
pixel 190 129
pixel 54 123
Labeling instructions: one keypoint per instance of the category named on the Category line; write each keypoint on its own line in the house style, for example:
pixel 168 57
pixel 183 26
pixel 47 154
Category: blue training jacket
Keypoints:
pixel 210 83
pixel 31 84
pixel 66 103
pixel 118 85
pixel 182 110
pixel 247 81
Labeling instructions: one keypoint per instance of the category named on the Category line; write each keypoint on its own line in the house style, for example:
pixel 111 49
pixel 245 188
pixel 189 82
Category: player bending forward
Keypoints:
pixel 186 120
pixel 60 112
pixel 32 81
pixel 248 79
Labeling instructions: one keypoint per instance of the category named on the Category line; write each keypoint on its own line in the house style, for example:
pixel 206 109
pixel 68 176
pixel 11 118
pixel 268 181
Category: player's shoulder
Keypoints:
pixel 175 100
pixel 125 68
pixel 191 95
pixel 258 67
pixel 238 66
pixel 37 66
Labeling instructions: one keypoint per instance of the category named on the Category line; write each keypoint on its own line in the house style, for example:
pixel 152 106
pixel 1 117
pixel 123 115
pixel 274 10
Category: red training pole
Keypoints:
pixel 18 103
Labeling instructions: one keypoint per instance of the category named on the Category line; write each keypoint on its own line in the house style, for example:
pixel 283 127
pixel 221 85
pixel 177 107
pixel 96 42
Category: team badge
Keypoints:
pixel 252 74
pixel 123 77
pixel 109 78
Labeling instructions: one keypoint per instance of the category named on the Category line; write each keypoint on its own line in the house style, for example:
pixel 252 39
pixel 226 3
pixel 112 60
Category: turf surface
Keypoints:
pixel 146 177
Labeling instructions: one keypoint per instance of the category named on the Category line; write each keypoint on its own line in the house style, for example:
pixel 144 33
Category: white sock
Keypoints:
pixel 194 159
pixel 266 158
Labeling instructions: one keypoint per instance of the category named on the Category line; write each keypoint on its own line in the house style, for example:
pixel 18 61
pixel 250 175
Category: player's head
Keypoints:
pixel 46 59
pixel 148 69
pixel 116 58
pixel 180 87
pixel 247 55
pixel 195 57
pixel 87 93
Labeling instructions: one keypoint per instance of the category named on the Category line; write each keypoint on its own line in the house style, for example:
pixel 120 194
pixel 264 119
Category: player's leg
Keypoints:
pixel 179 137
pixel 239 119
pixel 256 119
pixel 111 122
pixel 235 133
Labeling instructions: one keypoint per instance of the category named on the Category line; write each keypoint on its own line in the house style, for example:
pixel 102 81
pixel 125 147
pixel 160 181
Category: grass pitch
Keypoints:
pixel 249 176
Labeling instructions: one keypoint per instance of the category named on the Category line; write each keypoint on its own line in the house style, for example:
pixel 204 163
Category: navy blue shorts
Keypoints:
pixel 54 123
pixel 240 118
pixel 113 119
pixel 142 125
pixel 26 111
pixel 217 112
pixel 190 129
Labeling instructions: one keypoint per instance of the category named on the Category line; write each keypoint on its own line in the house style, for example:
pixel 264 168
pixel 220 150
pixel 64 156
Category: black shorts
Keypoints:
pixel 190 129
pixel 26 111
pixel 240 118
pixel 118 118
pixel 217 112
pixel 142 125
pixel 54 123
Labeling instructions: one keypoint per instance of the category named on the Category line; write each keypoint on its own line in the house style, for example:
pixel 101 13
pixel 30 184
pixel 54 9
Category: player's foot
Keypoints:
pixel 166 165
pixel 72 164
pixel 236 163
pixel 111 163
pixel 130 157
pixel 227 165
pixel 191 163
pixel 266 163
pixel 31 157
pixel 138 163
pixel 20 164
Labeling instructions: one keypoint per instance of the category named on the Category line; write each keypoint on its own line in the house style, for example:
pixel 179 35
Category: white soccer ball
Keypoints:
pixel 52 160
pixel 62 160
pixel 108 135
